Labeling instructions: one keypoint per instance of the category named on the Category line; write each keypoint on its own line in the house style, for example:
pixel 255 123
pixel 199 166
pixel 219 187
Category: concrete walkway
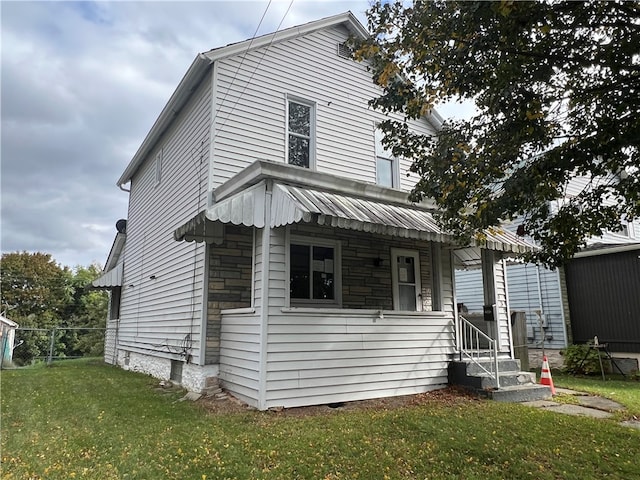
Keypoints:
pixel 588 406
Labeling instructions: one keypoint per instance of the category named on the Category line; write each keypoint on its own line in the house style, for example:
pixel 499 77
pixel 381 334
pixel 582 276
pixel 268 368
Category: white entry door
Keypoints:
pixel 405 276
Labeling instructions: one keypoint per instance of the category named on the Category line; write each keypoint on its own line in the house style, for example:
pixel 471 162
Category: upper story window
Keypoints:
pixel 300 133
pixel 387 167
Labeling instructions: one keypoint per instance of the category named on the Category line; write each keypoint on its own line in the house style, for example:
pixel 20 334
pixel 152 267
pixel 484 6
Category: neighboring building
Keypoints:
pixel 603 288
pixel 595 294
pixel 7 339
pixel 311 278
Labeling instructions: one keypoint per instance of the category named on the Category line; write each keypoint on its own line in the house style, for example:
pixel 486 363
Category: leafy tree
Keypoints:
pixel 33 283
pixel 88 310
pixel 39 294
pixel 35 293
pixel 556 85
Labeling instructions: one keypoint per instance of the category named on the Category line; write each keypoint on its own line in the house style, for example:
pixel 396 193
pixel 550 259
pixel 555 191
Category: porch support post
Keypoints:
pixel 436 276
pixel 494 281
pixel 204 323
pixel 488 261
pixel 264 298
pixel 456 318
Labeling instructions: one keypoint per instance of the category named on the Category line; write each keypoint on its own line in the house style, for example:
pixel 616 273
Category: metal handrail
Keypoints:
pixel 470 337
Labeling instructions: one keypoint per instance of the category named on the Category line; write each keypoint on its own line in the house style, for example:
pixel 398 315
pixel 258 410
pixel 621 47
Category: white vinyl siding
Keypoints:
pixel 240 355
pixel 524 294
pixel 523 288
pixel 251 123
pixel 632 234
pixel 332 356
pixel 161 307
pixel 319 357
pixel 503 320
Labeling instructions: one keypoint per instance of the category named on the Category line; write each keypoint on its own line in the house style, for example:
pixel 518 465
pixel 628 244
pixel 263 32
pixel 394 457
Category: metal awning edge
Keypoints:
pixel 110 279
pixel 294 204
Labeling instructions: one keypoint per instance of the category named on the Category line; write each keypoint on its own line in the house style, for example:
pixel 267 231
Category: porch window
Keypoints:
pixel 313 271
pixel 300 133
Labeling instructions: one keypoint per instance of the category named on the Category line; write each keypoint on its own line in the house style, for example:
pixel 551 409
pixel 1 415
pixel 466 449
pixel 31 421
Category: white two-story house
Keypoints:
pixel 270 245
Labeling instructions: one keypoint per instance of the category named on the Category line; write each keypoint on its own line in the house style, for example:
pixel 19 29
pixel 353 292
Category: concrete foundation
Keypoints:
pixel 194 377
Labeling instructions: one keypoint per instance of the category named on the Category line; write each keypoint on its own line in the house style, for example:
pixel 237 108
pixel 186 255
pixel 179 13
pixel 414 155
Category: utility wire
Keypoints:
pixel 273 36
pixel 242 59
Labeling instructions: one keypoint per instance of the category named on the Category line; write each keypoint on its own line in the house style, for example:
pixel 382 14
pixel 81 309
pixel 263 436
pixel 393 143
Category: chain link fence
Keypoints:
pixel 32 345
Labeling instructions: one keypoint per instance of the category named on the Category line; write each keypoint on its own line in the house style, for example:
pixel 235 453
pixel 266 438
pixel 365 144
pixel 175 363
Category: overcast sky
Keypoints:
pixel 82 84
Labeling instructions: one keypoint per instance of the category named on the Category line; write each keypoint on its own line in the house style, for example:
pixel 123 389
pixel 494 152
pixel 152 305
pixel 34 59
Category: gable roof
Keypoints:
pixel 203 61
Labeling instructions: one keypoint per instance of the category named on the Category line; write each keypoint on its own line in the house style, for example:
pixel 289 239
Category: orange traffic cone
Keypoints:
pixel 545 376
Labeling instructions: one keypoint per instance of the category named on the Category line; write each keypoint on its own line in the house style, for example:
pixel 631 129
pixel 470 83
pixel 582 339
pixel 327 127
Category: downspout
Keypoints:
pixel 123 189
pixel 264 307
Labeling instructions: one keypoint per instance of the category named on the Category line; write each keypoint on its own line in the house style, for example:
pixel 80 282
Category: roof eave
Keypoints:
pixel 347 18
pixel 180 96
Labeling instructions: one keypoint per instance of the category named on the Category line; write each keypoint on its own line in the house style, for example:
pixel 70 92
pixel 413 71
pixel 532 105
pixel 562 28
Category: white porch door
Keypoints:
pixel 405 277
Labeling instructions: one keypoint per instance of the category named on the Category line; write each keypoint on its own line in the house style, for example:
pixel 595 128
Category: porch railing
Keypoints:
pixel 472 347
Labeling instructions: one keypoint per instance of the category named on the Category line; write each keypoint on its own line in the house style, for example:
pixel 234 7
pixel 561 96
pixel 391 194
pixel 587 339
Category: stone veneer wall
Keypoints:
pixel 230 273
pixel 365 285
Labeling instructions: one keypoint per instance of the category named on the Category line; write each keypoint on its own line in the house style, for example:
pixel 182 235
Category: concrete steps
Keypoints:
pixel 515 385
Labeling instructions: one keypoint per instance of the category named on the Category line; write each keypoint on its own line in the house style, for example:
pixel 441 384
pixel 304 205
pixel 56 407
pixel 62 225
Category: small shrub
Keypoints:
pixel 581 360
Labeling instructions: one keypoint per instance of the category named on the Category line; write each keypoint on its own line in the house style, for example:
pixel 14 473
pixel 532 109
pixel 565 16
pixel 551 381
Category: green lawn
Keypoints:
pixel 82 419
pixel 623 390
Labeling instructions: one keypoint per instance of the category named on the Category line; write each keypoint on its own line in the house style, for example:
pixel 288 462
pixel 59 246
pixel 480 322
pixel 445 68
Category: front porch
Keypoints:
pixel 324 290
pixel 317 356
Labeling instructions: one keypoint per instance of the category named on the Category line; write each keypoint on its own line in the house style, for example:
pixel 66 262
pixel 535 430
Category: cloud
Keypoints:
pixel 82 84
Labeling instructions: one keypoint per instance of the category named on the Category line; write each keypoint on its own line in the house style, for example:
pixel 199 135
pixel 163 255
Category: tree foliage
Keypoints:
pixel 556 85
pixel 39 294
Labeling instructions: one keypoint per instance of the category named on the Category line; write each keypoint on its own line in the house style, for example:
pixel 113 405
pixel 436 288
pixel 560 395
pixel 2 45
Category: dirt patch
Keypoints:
pixel 450 396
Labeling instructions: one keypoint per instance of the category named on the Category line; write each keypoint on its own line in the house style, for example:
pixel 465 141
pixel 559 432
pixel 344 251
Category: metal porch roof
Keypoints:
pixel 110 279
pixel 292 204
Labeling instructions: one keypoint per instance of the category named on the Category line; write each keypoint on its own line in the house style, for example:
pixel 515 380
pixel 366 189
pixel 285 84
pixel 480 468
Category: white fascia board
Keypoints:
pixel 346 18
pixel 180 96
pixel 593 252
pixel 115 252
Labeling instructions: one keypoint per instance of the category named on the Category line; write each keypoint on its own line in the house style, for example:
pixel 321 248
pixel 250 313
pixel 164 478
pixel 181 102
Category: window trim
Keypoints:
pixel 395 252
pixel 312 129
pixel 337 271
pixel 382 153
